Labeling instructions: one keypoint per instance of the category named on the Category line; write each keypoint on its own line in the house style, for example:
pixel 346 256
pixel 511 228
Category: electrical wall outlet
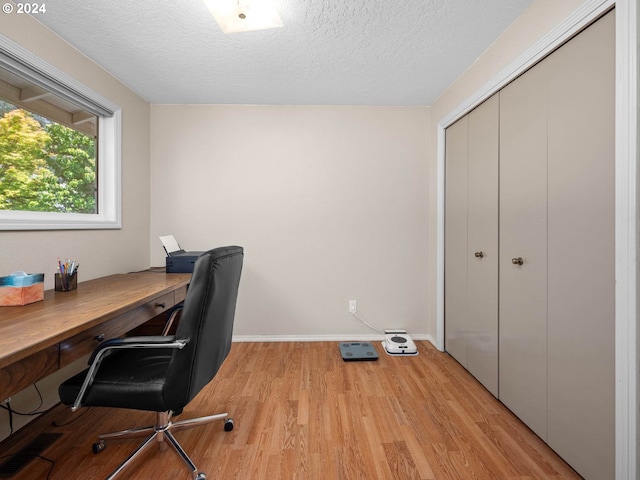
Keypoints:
pixel 353 307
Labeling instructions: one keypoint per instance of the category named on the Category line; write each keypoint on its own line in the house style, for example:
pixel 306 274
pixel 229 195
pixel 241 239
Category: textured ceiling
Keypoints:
pixel 330 52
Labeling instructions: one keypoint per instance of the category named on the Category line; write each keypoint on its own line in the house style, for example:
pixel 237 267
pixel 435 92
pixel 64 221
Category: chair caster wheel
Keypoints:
pixel 98 446
pixel 201 476
pixel 228 424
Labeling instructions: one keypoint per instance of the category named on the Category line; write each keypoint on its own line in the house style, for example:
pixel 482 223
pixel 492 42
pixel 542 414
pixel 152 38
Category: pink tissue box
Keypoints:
pixel 21 289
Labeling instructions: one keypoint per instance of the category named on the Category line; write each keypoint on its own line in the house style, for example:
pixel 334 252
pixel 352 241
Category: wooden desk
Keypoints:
pixel 38 339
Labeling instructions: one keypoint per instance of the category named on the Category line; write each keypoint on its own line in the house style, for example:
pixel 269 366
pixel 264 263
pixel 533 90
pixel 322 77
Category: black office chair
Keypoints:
pixel 163 373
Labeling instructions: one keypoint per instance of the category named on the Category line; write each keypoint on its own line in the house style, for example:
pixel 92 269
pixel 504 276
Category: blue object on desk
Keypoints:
pixel 182 262
pixel 21 288
pixel 178 261
pixel 23 280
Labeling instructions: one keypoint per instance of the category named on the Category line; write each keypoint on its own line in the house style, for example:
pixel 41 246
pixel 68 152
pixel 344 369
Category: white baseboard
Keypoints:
pixel 324 338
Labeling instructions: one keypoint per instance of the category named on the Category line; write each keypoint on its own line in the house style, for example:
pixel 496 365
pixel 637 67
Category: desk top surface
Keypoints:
pixel 30 328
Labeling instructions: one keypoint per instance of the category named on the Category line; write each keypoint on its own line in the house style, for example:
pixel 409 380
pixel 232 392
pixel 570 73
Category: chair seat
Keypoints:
pixel 131 379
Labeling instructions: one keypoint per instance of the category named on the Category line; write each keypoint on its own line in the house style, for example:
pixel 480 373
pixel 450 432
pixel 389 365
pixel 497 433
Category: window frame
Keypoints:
pixel 20 61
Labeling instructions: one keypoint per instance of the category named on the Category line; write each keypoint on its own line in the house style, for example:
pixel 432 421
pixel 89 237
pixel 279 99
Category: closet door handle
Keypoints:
pixel 479 254
pixel 517 261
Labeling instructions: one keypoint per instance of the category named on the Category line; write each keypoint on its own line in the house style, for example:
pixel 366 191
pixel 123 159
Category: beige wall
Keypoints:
pixel 538 20
pixel 330 204
pixel 100 252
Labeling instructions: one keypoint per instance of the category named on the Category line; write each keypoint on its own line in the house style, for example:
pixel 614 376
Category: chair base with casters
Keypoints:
pixel 159 433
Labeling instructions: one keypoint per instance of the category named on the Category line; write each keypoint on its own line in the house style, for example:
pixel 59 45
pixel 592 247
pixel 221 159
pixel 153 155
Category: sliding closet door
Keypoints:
pixel 539 157
pixel 523 247
pixel 581 250
pixel 471 242
pixel 455 265
pixel 482 245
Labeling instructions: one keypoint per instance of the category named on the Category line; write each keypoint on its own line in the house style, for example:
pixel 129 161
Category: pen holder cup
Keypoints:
pixel 66 283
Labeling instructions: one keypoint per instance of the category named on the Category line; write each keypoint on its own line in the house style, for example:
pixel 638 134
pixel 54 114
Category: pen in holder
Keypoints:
pixel 66 282
pixel 66 278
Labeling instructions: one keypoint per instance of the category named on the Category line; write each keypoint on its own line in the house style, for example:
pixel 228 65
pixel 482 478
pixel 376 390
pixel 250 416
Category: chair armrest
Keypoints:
pixel 173 313
pixel 118 344
pixel 150 341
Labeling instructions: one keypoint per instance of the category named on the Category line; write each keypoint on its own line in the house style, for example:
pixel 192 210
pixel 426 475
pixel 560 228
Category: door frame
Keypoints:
pixel 626 210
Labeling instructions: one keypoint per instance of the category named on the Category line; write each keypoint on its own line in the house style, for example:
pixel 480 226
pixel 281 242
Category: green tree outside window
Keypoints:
pixel 45 166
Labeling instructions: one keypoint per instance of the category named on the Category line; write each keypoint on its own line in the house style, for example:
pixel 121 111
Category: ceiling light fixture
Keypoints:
pixel 244 15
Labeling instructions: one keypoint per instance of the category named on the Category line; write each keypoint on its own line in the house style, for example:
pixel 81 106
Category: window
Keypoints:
pixel 59 148
pixel 45 166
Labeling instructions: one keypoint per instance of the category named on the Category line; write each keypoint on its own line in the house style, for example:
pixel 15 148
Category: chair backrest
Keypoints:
pixel 206 322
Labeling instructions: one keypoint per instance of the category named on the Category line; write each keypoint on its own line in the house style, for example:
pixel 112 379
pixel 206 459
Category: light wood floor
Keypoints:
pixel 302 413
